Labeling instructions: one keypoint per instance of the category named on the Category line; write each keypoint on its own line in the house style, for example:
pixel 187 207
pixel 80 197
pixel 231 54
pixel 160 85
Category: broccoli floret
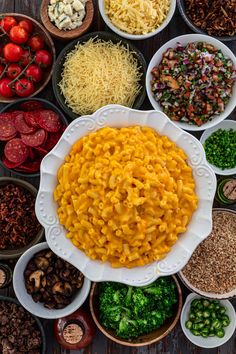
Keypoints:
pixel 133 311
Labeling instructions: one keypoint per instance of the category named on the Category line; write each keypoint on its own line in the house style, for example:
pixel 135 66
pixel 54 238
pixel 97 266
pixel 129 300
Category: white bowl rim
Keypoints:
pixel 226 125
pixel 194 339
pixel 22 297
pixel 184 39
pixel 136 36
pixel 118 116
pixel 208 295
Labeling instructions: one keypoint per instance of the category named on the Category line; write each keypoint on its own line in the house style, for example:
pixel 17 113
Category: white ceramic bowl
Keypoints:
pixel 184 40
pixel 209 342
pixel 210 295
pixel 198 229
pixel 136 36
pixel 225 125
pixel 37 308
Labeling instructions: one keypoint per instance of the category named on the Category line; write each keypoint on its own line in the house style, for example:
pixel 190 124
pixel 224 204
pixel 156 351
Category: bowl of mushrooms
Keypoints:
pixel 67 19
pixel 46 285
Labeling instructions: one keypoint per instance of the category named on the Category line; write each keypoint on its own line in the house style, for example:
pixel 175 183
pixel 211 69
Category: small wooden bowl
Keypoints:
pixel 69 34
pixel 47 72
pixel 145 339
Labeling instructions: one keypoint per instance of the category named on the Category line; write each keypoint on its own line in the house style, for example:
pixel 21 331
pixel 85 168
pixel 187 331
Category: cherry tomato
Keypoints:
pixel 43 58
pixel 27 25
pixel 1 69
pixel 13 70
pixel 5 89
pixel 36 43
pixel 25 58
pixel 18 35
pixel 7 23
pixel 12 52
pixel 24 88
pixel 34 73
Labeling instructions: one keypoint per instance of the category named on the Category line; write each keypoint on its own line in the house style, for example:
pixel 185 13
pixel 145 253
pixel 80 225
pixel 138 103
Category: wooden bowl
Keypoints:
pixel 145 339
pixel 47 72
pixel 69 34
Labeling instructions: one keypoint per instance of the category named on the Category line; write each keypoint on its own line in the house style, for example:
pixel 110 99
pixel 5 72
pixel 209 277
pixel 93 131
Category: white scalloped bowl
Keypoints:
pixel 198 229
pixel 184 40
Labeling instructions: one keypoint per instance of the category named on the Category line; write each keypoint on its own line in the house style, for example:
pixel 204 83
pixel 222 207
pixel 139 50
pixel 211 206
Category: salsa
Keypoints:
pixel 193 83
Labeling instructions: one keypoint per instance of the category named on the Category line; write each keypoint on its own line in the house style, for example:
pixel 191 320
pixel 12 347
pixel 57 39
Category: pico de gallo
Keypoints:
pixel 193 83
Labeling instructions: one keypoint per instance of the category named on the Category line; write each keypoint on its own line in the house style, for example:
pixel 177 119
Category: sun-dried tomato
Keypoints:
pixel 216 17
pixel 18 222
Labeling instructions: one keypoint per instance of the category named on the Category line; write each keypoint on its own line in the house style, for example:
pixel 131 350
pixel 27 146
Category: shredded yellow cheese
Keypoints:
pixel 137 16
pixel 97 73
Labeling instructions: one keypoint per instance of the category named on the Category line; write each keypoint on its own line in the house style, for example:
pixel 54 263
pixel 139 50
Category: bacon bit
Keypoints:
pixel 18 222
pixel 212 17
pixel 170 81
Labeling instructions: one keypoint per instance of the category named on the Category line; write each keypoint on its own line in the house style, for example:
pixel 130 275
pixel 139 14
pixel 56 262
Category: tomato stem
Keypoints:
pixel 5 69
pixel 22 72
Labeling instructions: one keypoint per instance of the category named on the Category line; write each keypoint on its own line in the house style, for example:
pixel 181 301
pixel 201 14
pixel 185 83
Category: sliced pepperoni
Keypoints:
pixel 8 163
pixel 31 105
pixel 49 120
pixel 51 140
pixel 31 118
pixel 30 166
pixel 7 128
pixel 16 151
pixel 21 125
pixel 40 151
pixel 35 139
pixel 31 153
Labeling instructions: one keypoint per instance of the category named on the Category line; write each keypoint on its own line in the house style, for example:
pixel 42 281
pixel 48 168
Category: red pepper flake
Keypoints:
pixel 216 17
pixel 18 222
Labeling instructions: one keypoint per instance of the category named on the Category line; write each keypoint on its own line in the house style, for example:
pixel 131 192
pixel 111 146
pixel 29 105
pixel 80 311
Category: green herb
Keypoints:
pixel 207 318
pixel 220 148
pixel 133 311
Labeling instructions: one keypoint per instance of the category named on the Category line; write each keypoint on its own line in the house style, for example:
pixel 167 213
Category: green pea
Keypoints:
pixel 206 314
pixel 220 333
pixel 198 320
pixel 225 317
pixel 216 324
pixel 225 323
pixel 205 335
pixel 206 303
pixel 213 315
pixel 222 310
pixel 196 333
pixel 199 314
pixel 188 324
pixel 200 325
pixel 211 306
pixel 194 302
pixel 207 322
pixel 192 316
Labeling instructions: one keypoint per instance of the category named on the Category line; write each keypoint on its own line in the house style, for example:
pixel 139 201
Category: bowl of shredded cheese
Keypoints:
pixel 137 19
pixel 126 195
pixel 96 70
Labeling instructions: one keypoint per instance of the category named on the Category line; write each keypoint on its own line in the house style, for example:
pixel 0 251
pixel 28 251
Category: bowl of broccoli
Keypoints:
pixel 136 316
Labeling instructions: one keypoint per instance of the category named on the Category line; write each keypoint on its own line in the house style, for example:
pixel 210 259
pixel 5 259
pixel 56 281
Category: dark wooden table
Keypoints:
pixel 176 342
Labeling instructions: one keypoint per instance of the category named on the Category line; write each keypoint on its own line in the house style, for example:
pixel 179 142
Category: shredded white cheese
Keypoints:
pixel 137 16
pixel 67 14
pixel 97 73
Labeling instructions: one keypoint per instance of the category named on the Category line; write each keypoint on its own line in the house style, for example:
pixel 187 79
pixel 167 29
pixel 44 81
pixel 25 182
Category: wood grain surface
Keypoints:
pixel 175 342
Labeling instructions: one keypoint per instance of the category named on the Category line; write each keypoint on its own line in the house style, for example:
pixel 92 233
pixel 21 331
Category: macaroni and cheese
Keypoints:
pixel 125 195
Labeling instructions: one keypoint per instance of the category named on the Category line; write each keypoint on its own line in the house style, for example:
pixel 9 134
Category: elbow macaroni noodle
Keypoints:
pixel 125 195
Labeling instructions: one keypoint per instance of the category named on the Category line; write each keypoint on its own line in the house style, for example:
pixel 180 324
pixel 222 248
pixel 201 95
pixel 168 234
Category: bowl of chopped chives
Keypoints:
pixel 219 143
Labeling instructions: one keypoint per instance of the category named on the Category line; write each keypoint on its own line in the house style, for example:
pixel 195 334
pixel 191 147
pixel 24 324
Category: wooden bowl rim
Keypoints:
pixel 69 34
pixel 130 344
pixel 52 48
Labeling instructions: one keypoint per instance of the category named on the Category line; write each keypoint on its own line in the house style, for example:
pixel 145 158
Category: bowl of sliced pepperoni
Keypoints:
pixel 29 129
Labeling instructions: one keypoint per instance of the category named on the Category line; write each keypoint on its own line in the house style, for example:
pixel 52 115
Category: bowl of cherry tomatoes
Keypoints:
pixel 27 55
